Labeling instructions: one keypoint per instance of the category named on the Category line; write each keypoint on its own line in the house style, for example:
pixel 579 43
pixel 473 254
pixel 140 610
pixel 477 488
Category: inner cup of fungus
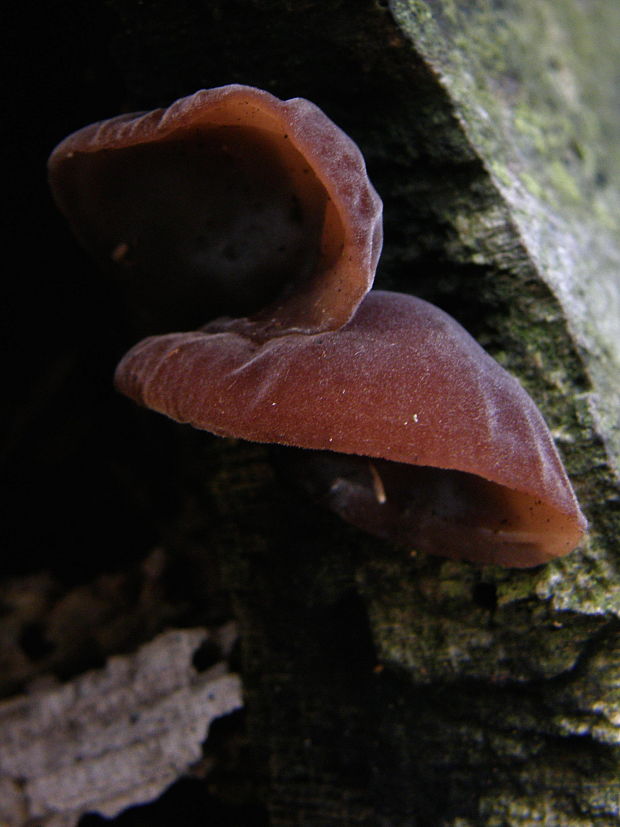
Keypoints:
pixel 230 202
pixel 412 431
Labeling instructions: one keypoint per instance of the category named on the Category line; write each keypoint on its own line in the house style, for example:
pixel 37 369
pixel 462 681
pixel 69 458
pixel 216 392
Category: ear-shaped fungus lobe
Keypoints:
pixel 461 462
pixel 231 201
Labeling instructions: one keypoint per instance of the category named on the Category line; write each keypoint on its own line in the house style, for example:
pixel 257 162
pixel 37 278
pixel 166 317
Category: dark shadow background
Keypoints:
pixel 68 501
pixel 90 482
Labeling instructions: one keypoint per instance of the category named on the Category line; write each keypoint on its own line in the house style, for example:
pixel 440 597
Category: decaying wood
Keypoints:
pixel 114 737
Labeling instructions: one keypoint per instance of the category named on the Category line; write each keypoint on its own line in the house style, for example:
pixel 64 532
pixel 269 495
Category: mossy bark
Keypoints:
pixel 393 689
pixel 384 687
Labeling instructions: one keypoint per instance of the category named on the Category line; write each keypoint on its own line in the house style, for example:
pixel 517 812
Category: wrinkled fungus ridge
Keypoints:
pixel 230 202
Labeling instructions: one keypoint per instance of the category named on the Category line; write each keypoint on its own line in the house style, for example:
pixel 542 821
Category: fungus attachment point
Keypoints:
pixel 230 202
pixel 461 461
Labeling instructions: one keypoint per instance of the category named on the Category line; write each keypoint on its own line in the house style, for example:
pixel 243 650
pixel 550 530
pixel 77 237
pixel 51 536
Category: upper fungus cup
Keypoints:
pixel 234 202
pixel 437 446
pixel 230 202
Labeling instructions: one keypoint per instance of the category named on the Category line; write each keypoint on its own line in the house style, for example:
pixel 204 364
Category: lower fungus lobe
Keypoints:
pixel 437 511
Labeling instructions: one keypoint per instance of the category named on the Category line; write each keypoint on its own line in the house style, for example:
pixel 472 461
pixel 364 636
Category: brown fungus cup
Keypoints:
pixel 230 202
pixel 423 438
pixel 239 205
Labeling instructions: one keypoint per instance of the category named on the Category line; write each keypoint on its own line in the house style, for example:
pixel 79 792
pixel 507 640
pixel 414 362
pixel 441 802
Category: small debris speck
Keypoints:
pixel 119 253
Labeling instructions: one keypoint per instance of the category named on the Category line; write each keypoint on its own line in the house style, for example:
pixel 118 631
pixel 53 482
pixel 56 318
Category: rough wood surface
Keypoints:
pixel 112 738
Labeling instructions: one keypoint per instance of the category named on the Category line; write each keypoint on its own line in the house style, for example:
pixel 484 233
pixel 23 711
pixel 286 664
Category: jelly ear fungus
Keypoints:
pixel 260 210
pixel 230 202
pixel 416 434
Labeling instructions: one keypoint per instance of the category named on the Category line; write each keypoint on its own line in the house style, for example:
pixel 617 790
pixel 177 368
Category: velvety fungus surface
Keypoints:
pixel 230 202
pixel 415 433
